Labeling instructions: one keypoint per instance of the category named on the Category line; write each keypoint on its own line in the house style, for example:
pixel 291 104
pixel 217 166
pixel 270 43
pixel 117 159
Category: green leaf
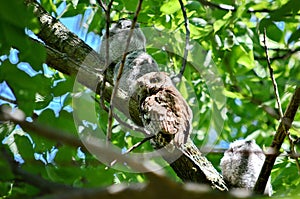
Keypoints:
pixel 14 18
pixel 247 60
pixel 25 87
pixel 194 5
pixel 272 31
pixel 130 5
pixel 63 87
pixel 64 122
pixel 72 11
pixel 291 7
pixel 233 95
pixel 295 36
pixel 221 22
pixel 6 172
pixel 25 147
pixel 170 7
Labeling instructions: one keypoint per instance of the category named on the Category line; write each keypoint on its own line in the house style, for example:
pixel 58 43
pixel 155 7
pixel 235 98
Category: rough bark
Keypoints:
pixel 68 54
pixel 278 139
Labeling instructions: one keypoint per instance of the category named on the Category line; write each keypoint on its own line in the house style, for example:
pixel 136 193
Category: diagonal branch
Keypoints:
pixel 120 71
pixel 187 40
pixel 273 152
pixel 272 76
pixel 107 17
pixel 217 6
pixel 68 54
pixel 278 101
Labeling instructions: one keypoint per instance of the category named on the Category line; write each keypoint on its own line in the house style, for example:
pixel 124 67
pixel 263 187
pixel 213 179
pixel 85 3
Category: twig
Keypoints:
pixel 288 53
pixel 281 132
pixel 136 145
pixel 187 39
pixel 272 77
pixel 123 123
pixel 278 101
pixel 285 123
pixel 69 139
pixel 102 85
pixel 218 6
pixel 44 185
pixel 120 71
pixel 42 130
pixel 278 139
pixel 8 100
pixel 102 5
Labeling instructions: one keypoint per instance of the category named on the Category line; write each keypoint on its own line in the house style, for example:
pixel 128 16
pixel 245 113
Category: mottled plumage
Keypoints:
pixel 136 65
pixel 241 165
pixel 164 109
pixel 166 114
pixel 118 35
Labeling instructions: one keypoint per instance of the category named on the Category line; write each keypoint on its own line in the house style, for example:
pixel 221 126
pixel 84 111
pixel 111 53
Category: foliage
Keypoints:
pixel 233 36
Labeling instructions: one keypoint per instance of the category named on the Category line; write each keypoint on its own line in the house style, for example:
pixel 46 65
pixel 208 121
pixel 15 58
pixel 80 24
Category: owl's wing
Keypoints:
pixel 167 112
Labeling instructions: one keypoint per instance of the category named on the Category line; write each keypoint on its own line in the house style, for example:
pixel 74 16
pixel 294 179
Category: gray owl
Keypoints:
pixel 137 64
pixel 118 35
pixel 241 165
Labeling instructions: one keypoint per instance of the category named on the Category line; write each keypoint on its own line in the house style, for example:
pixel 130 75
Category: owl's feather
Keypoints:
pixel 166 114
pixel 241 165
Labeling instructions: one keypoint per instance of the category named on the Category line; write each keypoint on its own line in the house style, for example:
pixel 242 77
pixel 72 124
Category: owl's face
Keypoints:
pixel 118 36
pixel 154 81
pixel 121 25
pixel 245 147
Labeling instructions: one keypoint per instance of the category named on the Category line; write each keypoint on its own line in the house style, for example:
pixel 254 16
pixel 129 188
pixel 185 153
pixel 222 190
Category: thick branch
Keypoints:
pixel 271 156
pixel 44 185
pixel 157 189
pixel 68 54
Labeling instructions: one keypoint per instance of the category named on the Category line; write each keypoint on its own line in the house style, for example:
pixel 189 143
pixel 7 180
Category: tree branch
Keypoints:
pixel 217 6
pixel 288 53
pixel 231 8
pixel 187 40
pixel 278 139
pixel 278 100
pixel 68 54
pixel 44 185
pixel 120 71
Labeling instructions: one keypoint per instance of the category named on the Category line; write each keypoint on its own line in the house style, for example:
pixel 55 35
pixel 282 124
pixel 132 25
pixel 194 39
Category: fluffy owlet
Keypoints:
pixel 137 64
pixel 241 165
pixel 118 35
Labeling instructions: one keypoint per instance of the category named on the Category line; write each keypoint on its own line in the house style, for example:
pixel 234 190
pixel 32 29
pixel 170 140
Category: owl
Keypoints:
pixel 137 64
pixel 163 109
pixel 118 35
pixel 242 163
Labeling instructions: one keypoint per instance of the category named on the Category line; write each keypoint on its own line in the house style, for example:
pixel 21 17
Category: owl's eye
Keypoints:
pixel 155 79
pixel 248 142
pixel 124 24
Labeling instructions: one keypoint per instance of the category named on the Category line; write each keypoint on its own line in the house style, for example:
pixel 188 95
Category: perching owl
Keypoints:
pixel 166 114
pixel 118 35
pixel 242 163
pixel 137 64
pixel 164 110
